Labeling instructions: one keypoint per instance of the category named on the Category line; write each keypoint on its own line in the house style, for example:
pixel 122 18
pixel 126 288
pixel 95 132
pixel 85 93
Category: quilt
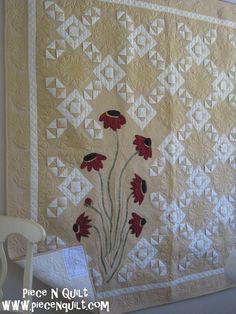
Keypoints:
pixel 121 131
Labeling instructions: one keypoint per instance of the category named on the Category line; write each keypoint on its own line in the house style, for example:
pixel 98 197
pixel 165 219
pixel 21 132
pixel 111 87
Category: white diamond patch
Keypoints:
pixel 171 79
pixel 185 199
pixel 156 95
pixel 223 210
pixel 185 97
pixel 141 112
pixel 185 64
pixel 75 187
pixel 157 27
pixel 186 262
pixel 211 67
pixel 93 89
pixel 198 50
pixel 200 244
pixel 156 59
pixel 185 32
pixel 141 41
pixel 55 49
pixel 157 167
pixel 125 20
pixel 172 217
pixel 223 85
pixel 109 72
pixel 75 108
pixel 158 201
pixel 56 207
pixel 185 164
pixel 54 11
pixel 158 236
pixel 92 52
pixel 93 129
pixel 210 37
pixel 55 87
pixel 56 128
pixel 198 115
pixel 142 253
pixel 223 148
pixel 158 267
pixel 73 31
pixel 126 272
pixel 185 131
pixel 126 55
pixel 171 148
pixel 125 92
pixel 198 181
pixel 186 231
pixel 91 16
pixel 57 167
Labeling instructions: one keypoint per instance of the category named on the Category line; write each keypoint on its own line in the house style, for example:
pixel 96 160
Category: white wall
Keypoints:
pixel 218 303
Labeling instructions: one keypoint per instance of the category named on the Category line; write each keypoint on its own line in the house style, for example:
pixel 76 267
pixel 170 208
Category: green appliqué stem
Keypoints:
pixel 109 186
pixel 123 227
pixel 103 225
pixel 101 249
pixel 119 199
pixel 121 255
pixel 103 198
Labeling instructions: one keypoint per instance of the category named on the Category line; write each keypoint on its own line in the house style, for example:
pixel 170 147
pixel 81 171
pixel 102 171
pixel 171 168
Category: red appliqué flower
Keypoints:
pixel 93 161
pixel 143 146
pixel 136 224
pixel 81 226
pixel 139 187
pixel 112 119
pixel 88 201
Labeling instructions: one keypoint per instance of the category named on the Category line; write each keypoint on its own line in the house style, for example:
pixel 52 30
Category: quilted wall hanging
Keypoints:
pixel 121 136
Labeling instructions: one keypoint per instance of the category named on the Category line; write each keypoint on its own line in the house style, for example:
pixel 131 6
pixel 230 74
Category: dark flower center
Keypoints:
pixel 144 186
pixel 143 221
pixel 90 157
pixel 113 113
pixel 148 141
pixel 75 228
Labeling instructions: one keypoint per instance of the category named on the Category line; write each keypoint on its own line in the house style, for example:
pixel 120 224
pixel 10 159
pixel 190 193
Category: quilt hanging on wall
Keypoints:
pixel 121 130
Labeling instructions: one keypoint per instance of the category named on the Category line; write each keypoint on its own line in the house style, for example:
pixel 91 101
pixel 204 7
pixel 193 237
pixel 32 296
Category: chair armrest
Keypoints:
pixel 32 232
pixel 29 229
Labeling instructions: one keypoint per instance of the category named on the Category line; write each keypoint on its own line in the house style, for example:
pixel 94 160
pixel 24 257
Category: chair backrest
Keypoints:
pixel 32 232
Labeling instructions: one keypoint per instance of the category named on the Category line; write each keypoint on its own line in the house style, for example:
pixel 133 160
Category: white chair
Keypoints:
pixel 32 232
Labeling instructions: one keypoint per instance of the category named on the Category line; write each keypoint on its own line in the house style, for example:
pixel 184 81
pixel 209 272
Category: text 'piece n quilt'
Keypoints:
pixel 121 130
